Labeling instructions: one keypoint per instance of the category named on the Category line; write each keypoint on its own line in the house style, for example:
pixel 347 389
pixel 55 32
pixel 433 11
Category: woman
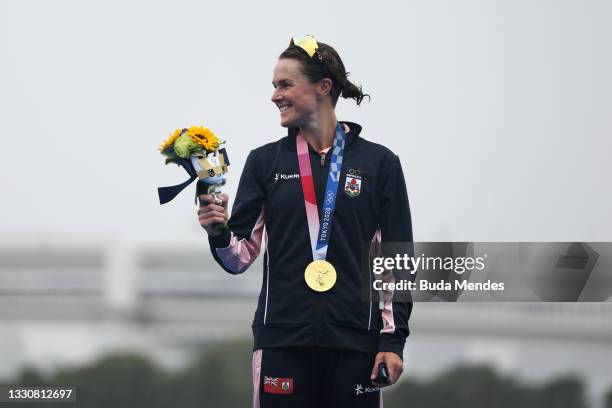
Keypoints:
pixel 317 343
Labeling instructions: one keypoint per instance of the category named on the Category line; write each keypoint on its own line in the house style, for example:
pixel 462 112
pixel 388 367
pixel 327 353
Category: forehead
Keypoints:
pixel 288 69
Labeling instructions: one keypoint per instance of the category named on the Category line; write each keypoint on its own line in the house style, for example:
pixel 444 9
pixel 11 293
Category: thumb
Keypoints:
pixel 377 361
pixel 224 198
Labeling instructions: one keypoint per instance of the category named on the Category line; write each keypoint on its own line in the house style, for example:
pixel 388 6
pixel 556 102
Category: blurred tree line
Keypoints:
pixel 221 377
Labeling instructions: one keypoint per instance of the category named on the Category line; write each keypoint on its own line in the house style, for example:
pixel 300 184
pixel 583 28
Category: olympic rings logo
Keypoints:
pixel 353 172
pixel 330 197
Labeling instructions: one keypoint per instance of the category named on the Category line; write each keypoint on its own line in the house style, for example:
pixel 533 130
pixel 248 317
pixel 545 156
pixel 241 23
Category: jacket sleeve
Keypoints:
pixel 395 226
pixel 236 249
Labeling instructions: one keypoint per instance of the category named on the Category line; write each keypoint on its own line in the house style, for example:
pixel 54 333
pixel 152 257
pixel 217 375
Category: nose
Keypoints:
pixel 276 96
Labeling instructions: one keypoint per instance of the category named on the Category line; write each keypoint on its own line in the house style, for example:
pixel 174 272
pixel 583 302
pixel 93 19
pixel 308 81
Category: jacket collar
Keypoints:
pixel 351 136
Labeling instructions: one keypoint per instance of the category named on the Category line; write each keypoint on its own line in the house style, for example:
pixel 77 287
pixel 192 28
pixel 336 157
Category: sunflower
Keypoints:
pixel 170 141
pixel 204 137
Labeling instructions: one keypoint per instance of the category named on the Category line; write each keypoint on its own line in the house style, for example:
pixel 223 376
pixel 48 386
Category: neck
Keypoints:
pixel 320 131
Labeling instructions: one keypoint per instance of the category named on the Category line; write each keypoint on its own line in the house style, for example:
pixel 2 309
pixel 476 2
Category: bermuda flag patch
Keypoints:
pixel 352 186
pixel 275 385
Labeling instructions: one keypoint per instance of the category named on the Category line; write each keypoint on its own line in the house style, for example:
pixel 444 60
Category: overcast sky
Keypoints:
pixel 499 110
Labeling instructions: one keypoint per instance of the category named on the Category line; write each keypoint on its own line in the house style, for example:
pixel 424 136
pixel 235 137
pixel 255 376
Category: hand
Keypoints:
pixel 394 364
pixel 213 210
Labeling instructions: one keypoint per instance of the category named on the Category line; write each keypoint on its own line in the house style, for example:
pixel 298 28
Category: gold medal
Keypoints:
pixel 320 275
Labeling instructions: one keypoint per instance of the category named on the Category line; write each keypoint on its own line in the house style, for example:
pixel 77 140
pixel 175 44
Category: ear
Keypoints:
pixel 325 87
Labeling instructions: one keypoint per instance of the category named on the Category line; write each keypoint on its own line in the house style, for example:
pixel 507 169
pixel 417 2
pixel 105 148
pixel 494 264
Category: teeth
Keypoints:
pixel 284 107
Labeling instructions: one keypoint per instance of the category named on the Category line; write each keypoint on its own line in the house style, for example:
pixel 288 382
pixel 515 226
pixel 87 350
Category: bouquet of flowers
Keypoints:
pixel 197 150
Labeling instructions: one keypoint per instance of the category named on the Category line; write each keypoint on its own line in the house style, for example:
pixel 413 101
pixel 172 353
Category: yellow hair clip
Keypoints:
pixel 308 44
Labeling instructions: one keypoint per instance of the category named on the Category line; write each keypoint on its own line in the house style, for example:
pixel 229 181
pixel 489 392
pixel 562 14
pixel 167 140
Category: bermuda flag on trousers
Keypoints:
pixel 275 385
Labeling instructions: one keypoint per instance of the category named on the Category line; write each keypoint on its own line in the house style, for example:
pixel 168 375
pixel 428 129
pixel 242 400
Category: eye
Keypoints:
pixel 282 85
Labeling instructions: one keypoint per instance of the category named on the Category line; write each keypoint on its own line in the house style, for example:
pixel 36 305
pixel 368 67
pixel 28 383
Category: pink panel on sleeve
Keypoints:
pixel 256 376
pixel 240 253
pixel 386 306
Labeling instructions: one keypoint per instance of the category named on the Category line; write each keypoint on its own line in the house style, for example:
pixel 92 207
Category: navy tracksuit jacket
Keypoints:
pixel 269 207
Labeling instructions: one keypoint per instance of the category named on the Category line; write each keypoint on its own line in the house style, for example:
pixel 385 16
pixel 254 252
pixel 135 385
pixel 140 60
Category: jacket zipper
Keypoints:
pixel 322 159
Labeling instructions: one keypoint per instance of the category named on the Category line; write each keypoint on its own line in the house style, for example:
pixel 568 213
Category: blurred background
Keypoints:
pixel 499 111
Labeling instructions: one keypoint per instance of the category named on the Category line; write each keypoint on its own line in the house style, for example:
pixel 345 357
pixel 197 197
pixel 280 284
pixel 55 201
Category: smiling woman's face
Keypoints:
pixel 296 98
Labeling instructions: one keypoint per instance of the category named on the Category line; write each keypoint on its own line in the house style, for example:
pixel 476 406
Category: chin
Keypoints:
pixel 287 123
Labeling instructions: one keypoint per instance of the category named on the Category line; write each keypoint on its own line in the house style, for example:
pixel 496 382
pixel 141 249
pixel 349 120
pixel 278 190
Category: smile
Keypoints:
pixel 284 108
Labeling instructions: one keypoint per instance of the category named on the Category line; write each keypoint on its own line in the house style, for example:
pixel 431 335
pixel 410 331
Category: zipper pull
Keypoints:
pixel 323 160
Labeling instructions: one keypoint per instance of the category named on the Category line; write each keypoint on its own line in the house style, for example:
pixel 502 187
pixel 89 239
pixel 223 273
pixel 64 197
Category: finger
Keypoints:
pixel 218 220
pixel 205 198
pixel 214 213
pixel 377 361
pixel 224 198
pixel 204 218
pixel 210 207
pixel 212 221
pixel 221 199
pixel 217 200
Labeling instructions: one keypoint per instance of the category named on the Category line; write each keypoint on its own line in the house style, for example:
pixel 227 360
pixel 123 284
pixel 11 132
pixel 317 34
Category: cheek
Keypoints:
pixel 307 102
pixel 306 95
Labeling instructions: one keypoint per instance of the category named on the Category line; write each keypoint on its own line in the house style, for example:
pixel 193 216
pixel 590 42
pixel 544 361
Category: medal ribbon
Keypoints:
pixel 320 230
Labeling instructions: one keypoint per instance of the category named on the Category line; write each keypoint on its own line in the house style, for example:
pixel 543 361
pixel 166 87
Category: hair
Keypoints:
pixel 331 67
